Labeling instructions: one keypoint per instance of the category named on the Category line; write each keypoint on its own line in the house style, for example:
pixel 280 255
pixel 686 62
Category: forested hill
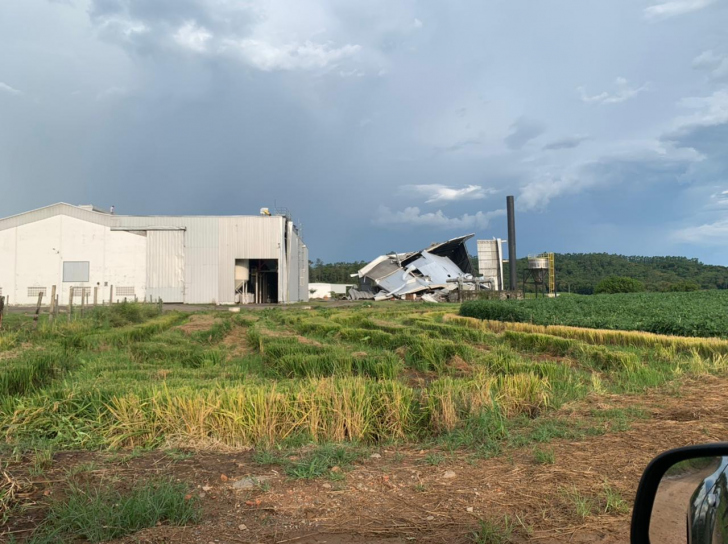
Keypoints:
pixel 321 272
pixel 580 272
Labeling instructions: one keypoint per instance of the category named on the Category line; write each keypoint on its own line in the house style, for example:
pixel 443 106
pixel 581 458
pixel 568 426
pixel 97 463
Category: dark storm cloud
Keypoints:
pixel 522 132
pixel 710 140
pixel 330 108
pixel 565 143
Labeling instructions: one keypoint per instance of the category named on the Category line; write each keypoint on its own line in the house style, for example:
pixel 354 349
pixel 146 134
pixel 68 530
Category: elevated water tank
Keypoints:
pixel 538 266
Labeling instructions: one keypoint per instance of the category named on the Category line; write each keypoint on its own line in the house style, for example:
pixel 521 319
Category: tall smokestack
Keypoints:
pixel 512 243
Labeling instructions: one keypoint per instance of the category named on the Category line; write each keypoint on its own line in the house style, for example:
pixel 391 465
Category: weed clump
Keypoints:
pixel 98 514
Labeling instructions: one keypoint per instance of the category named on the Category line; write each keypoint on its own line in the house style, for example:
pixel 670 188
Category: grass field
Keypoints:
pixel 699 313
pixel 297 384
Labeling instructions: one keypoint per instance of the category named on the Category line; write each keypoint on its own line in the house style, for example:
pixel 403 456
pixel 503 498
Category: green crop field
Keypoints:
pixel 700 313
pixel 127 377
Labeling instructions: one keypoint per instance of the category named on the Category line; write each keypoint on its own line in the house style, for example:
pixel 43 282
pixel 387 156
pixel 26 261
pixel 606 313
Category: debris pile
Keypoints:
pixel 433 274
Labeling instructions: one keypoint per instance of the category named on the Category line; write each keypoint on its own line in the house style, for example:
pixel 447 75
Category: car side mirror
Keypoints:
pixel 683 498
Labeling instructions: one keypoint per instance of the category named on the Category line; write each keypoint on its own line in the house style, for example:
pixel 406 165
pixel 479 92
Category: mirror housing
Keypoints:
pixel 650 481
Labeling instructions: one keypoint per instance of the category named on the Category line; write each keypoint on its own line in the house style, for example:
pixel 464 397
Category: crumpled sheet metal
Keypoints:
pixel 431 269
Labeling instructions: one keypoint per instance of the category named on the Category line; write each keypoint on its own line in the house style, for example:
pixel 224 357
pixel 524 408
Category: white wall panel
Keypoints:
pixel 125 264
pixel 7 263
pixel 36 259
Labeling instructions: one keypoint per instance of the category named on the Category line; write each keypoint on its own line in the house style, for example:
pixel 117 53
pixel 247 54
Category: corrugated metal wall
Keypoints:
pixel 201 256
pixel 166 265
pixel 297 267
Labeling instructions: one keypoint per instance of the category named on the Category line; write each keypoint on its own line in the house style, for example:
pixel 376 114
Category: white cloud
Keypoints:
pixel 5 88
pixel 716 64
pixel 622 93
pixel 413 217
pixel 435 192
pixel 417 23
pixel 192 36
pixel 710 111
pixel 708 234
pixel 121 27
pixel 537 194
pixel 665 10
pixel 293 56
pixel 719 199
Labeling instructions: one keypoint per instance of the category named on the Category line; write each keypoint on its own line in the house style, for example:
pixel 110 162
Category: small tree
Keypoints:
pixel 619 284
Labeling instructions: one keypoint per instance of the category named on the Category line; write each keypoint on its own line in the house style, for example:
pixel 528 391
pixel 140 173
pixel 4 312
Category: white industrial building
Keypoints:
pixel 182 259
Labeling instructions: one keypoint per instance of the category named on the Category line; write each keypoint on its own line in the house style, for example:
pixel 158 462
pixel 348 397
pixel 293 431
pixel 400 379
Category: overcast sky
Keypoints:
pixel 380 125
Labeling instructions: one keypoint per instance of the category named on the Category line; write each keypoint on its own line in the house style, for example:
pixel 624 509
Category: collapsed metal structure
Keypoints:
pixel 429 274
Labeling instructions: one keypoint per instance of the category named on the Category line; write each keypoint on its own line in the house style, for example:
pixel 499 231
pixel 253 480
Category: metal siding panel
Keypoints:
pixel 201 252
pixel 298 270
pixel 166 265
pixel 304 275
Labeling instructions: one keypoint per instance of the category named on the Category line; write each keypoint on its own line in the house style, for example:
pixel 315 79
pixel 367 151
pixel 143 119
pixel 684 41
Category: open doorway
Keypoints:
pixel 256 281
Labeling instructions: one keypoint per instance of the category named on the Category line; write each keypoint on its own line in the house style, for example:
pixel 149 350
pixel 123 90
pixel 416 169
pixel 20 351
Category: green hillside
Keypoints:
pixel 580 272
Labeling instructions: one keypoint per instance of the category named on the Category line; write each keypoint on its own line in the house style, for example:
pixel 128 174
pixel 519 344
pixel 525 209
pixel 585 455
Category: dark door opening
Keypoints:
pixel 260 284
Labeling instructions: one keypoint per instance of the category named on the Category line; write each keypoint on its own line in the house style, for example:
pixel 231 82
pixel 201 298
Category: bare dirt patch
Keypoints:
pixel 198 322
pixel 289 334
pixel 237 342
pixel 402 496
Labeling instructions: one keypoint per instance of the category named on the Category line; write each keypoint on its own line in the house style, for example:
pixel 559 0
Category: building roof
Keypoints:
pixel 92 214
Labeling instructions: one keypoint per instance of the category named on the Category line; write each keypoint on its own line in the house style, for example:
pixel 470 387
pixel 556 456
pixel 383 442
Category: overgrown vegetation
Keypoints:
pixel 699 313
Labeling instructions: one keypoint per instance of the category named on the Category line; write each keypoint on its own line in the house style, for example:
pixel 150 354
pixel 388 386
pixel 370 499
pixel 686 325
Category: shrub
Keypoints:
pixel 683 287
pixel 619 284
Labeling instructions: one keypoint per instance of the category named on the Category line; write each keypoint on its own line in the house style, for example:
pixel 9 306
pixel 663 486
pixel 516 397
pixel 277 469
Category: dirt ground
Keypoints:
pixel 397 496
pixel 669 513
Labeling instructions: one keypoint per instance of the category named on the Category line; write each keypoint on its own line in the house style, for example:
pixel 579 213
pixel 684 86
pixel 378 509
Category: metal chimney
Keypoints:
pixel 512 244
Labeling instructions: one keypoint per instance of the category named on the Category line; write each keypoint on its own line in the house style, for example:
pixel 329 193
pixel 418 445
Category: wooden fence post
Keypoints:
pixel 55 308
pixel 37 308
pixel 111 294
pixel 2 311
pixel 96 296
pixel 70 302
pixel 52 305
